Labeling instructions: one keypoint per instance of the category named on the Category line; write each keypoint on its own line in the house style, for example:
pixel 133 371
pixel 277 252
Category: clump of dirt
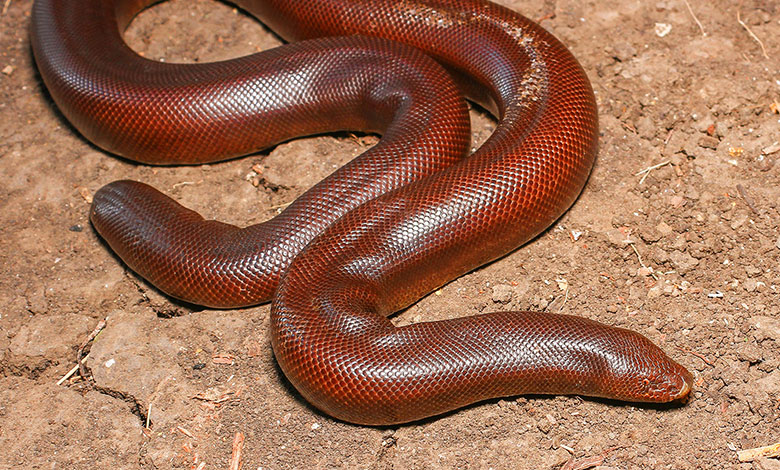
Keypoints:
pixel 676 236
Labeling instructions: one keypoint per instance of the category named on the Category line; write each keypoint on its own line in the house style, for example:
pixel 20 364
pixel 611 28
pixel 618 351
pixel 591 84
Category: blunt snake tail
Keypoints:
pixel 407 216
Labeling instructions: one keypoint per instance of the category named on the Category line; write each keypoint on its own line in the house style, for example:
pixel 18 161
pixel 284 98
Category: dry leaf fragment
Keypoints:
pixel 225 358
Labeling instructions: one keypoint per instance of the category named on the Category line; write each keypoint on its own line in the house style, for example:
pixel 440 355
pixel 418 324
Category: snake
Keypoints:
pixel 410 214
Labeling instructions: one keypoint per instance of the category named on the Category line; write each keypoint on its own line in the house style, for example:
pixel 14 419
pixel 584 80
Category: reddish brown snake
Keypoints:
pixel 431 214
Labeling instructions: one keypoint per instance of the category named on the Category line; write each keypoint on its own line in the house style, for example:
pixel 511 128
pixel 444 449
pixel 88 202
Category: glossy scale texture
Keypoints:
pixel 385 229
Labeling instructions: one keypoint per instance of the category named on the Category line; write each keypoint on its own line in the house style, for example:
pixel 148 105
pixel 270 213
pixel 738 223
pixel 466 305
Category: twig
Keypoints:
pixel 101 324
pixel 749 455
pixel 280 206
pixel 72 371
pixel 641 263
pixel 588 462
pixel 647 170
pixel 183 183
pixel 6 5
pixel 549 5
pixel 565 299
pixel 763 49
pixel 238 445
pixel 747 198
pixel 690 10
pixel 185 431
pixel 548 16
pixel 700 356
pixel 668 136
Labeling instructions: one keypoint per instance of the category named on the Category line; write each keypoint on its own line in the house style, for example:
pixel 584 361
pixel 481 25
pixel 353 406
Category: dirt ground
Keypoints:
pixel 686 253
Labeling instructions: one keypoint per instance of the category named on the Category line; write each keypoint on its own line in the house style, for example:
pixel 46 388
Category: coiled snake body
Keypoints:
pixel 404 218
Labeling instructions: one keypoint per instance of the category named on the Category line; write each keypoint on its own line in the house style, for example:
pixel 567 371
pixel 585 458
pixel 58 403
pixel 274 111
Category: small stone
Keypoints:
pixel 664 229
pixel 623 51
pixel 721 128
pixel 8 70
pixel 770 383
pixel 691 193
pixel 752 270
pixel 739 220
pixel 679 243
pixel 649 234
pixel 683 262
pixel 644 271
pixel 765 327
pixel 750 285
pixel 646 127
pixel 679 160
pixel 763 463
pixel 619 237
pixel 708 142
pixel 658 255
pixel 544 425
pixel 654 292
pixel 749 352
pixel 36 301
pixel 502 294
pixel 771 149
pixel 662 29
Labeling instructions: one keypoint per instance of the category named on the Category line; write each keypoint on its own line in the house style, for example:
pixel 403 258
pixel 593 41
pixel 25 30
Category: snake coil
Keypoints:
pixel 407 216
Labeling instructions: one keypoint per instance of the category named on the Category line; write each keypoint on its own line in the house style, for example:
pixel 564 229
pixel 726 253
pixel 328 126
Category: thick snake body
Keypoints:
pixel 404 218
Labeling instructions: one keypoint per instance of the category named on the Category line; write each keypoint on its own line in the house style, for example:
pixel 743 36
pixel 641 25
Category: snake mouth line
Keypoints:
pixel 685 391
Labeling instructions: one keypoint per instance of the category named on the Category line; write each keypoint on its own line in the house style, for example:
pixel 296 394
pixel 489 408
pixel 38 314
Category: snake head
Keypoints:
pixel 639 371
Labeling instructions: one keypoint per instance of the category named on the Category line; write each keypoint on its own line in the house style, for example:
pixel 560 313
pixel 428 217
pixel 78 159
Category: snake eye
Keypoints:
pixel 646 389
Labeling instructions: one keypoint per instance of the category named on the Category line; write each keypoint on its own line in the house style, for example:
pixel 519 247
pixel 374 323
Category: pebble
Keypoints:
pixel 646 127
pixel 739 220
pixel 619 238
pixel 749 352
pixel 502 293
pixel 544 426
pixel 708 142
pixel 664 229
pixel 623 51
pixel 763 463
pixel 766 327
pixel 683 262
pixel 649 234
pixel 752 270
pixel 36 301
pixel 770 383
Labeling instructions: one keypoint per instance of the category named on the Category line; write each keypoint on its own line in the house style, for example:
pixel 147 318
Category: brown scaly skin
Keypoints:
pixel 384 230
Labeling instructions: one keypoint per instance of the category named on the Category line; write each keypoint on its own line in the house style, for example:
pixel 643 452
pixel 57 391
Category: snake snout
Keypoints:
pixel 655 376
pixel 683 386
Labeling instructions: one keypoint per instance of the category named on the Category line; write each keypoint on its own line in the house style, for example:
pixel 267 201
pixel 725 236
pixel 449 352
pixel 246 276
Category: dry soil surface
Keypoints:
pixel 686 253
